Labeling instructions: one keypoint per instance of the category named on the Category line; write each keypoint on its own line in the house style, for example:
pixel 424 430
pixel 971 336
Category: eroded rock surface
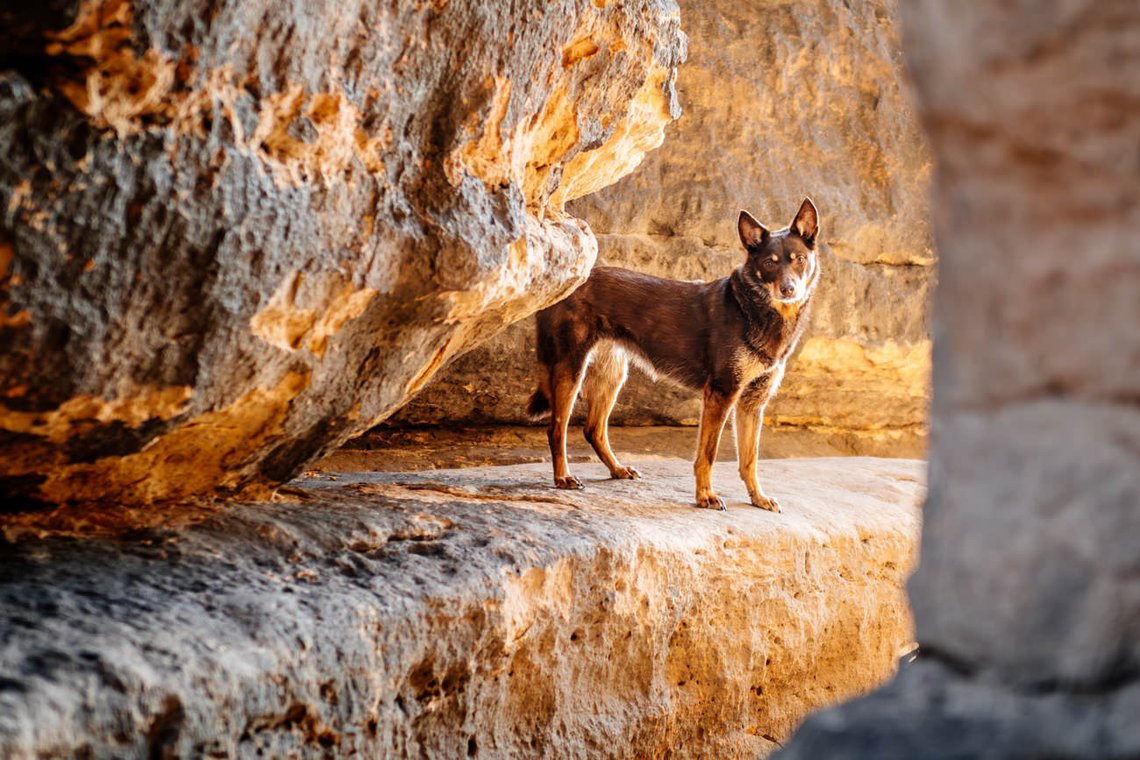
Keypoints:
pixel 1027 601
pixel 462 613
pixel 233 235
pixel 780 100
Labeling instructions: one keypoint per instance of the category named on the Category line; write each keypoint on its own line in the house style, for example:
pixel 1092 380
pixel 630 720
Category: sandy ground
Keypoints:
pixel 429 448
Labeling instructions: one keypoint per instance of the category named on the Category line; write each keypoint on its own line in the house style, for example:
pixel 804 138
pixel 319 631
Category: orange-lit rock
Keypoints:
pixel 212 202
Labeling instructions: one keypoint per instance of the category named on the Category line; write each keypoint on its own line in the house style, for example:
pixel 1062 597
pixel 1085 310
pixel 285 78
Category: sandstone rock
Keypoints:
pixel 233 236
pixel 1036 167
pixel 1057 492
pixel 780 100
pixel 474 612
pixel 1027 601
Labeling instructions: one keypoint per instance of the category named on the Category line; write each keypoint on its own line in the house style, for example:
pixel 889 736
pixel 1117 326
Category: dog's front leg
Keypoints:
pixel 713 414
pixel 749 418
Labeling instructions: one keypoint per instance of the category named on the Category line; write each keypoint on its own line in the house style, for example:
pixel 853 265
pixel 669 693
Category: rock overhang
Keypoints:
pixel 276 223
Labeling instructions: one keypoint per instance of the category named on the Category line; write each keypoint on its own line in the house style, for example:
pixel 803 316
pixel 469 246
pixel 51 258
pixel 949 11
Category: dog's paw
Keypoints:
pixel 766 502
pixel 711 501
pixel 569 483
pixel 625 473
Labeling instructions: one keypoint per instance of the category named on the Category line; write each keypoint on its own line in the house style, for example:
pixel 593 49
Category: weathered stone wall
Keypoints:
pixel 1027 600
pixel 233 235
pixel 471 613
pixel 780 100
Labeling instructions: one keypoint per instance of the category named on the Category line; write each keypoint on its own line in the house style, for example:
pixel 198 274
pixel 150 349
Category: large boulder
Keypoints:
pixel 780 100
pixel 234 235
pixel 462 613
pixel 1027 601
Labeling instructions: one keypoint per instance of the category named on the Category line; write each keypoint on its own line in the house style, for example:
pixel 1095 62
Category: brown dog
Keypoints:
pixel 729 338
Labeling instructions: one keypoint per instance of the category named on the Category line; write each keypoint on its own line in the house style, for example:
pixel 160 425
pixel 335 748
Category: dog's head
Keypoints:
pixel 784 262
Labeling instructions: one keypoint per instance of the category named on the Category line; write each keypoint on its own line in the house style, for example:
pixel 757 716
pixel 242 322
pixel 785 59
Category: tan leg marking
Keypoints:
pixel 604 379
pixel 714 412
pixel 564 389
pixel 749 418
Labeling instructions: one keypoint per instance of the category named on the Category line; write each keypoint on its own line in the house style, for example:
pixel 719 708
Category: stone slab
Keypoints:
pixel 475 612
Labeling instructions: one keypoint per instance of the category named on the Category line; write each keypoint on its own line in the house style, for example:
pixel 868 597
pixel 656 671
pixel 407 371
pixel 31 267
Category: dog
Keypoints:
pixel 729 339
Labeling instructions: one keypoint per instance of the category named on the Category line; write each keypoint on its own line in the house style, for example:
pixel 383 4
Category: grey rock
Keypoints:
pixel 1027 599
pixel 1042 496
pixel 932 711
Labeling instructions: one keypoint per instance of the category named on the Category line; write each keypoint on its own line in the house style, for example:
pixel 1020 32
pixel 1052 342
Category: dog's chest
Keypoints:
pixel 773 341
pixel 768 353
pixel 750 365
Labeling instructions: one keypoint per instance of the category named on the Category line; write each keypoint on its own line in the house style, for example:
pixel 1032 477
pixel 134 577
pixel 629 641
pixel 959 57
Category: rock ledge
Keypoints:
pixel 466 612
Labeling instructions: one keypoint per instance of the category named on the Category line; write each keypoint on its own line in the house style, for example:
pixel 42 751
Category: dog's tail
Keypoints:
pixel 539 405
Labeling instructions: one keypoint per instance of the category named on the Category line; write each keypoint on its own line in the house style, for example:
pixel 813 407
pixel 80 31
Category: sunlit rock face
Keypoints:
pixel 462 613
pixel 233 235
pixel 1027 600
pixel 781 100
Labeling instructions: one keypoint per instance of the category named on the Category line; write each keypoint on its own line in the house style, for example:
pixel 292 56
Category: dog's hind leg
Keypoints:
pixel 604 378
pixel 714 412
pixel 565 377
pixel 749 418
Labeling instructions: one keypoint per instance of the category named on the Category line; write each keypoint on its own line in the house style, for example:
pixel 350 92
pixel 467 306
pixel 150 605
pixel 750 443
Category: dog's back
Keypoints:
pixel 650 317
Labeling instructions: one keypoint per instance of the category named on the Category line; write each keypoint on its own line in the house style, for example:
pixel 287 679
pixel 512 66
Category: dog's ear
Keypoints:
pixel 806 223
pixel 752 233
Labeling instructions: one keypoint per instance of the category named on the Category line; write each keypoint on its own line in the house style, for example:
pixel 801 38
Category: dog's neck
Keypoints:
pixel 755 300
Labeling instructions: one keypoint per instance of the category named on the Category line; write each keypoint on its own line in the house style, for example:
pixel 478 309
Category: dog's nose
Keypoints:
pixel 788 289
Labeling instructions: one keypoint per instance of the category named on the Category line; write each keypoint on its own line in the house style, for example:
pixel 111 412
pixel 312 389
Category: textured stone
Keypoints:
pixel 232 236
pixel 780 100
pixel 1038 194
pixel 1027 601
pixel 469 612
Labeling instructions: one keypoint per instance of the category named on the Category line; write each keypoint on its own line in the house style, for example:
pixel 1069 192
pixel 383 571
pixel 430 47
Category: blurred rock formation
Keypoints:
pixel 1027 599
